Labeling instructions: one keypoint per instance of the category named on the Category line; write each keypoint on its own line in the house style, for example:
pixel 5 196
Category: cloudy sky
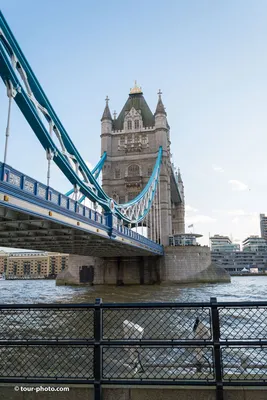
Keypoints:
pixel 208 57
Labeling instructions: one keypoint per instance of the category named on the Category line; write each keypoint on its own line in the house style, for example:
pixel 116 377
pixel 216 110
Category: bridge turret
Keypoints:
pixel 180 183
pixel 162 128
pixel 106 129
pixel 160 114
pixel 178 210
pixel 162 138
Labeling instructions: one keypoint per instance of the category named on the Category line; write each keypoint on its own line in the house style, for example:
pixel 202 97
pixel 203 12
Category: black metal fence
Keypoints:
pixel 212 344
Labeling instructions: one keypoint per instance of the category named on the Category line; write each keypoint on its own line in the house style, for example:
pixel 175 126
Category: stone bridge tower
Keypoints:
pixel 131 141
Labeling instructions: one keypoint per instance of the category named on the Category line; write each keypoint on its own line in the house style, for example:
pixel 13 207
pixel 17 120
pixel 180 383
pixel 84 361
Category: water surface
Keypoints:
pixel 250 288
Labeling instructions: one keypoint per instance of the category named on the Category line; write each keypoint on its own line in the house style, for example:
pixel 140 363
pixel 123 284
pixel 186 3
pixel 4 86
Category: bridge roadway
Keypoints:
pixel 35 216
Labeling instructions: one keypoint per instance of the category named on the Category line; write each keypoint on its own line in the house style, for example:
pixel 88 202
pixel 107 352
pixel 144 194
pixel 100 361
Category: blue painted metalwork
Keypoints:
pixel 17 74
pixel 95 171
pixel 24 187
pixel 99 166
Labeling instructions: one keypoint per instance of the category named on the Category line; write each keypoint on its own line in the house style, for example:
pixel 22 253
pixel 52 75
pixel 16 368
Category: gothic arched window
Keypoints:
pixel 129 125
pixel 134 170
pixel 117 173
pixel 136 124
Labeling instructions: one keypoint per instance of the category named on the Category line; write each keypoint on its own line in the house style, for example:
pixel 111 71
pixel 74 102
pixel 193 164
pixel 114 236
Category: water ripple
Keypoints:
pixel 45 291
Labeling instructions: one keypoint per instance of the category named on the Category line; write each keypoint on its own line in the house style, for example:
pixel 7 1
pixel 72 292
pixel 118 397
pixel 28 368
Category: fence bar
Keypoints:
pixel 115 355
pixel 98 349
pixel 215 326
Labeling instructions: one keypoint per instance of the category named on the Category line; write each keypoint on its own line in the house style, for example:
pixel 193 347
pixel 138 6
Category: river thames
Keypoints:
pixel 250 288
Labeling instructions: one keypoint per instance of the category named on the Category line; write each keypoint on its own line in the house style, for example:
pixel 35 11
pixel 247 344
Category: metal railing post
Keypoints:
pixel 98 349
pixel 215 326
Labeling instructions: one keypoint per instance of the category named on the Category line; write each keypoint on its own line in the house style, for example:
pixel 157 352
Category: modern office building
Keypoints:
pixel 223 243
pixel 19 265
pixel 263 226
pixel 236 261
pixel 252 258
pixel 184 239
pixel 255 243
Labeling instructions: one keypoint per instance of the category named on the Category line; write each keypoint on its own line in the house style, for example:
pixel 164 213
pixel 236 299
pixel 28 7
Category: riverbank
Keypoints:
pixel 249 274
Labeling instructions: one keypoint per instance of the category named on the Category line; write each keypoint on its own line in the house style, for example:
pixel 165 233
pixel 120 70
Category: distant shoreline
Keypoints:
pixel 244 274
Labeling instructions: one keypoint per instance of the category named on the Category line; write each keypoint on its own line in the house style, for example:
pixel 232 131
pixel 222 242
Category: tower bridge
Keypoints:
pixel 98 224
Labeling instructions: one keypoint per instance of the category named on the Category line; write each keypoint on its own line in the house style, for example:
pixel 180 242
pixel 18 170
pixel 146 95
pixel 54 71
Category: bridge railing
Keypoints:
pixel 42 193
pixel 201 344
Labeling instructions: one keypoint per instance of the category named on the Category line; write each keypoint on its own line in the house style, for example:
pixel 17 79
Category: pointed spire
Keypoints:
pixel 106 113
pixel 136 89
pixel 160 107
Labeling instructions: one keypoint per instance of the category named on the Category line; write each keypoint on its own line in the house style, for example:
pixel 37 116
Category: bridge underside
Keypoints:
pixel 26 231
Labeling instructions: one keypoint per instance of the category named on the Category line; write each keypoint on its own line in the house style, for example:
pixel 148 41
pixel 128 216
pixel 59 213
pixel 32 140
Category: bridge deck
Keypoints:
pixel 34 216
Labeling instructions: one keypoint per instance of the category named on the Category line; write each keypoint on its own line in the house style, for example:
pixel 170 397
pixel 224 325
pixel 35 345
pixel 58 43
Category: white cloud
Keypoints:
pixel 237 185
pixel 217 211
pixel 235 220
pixel 189 208
pixel 237 240
pixel 239 213
pixel 217 168
pixel 89 165
pixel 246 219
pixel 200 219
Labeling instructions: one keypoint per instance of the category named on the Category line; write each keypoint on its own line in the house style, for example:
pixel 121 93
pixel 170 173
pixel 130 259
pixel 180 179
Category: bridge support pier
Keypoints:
pixel 142 270
pixel 110 271
pixel 135 270
pixel 180 264
pixel 190 264
pixel 119 272
pixel 81 270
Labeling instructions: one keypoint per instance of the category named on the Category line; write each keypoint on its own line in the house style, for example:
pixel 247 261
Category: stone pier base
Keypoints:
pixel 188 264
pixel 85 270
pixel 81 270
pixel 180 264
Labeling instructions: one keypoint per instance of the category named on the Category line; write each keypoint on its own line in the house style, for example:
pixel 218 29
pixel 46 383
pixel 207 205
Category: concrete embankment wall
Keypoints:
pixel 77 392
pixel 185 264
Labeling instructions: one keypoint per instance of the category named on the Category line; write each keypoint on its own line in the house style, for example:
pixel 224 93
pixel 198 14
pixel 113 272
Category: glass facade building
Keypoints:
pixel 223 243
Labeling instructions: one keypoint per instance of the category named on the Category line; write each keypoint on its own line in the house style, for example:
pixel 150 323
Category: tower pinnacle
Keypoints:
pixel 136 89
pixel 160 107
pixel 106 113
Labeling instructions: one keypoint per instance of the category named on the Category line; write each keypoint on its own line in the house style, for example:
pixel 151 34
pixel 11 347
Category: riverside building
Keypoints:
pixel 20 265
pixel 255 243
pixel 253 256
pixel 263 226
pixel 223 243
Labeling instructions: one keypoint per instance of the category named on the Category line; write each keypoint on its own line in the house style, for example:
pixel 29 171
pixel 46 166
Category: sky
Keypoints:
pixel 209 59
